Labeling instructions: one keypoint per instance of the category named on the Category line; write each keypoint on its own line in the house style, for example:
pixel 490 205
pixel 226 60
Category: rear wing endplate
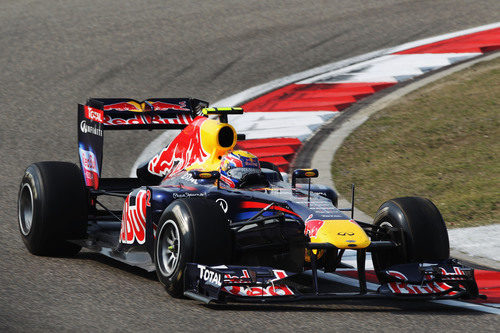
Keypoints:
pixel 101 114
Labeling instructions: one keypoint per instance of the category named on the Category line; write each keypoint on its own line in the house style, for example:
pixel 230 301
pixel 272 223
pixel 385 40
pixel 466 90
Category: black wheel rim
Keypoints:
pixel 25 213
pixel 168 248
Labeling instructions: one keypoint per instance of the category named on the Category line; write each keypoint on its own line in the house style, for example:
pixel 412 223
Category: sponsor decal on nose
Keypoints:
pixel 312 227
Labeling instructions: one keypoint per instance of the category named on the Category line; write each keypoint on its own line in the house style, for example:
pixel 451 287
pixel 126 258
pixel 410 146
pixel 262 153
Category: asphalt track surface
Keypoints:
pixel 55 54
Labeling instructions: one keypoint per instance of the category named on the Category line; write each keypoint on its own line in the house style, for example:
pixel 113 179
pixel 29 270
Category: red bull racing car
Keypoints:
pixel 217 224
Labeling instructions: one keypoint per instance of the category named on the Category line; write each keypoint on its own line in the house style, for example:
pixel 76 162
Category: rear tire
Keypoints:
pixel 424 238
pixel 190 230
pixel 52 208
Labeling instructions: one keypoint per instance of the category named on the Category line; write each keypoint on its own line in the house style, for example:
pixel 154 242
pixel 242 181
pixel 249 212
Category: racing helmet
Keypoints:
pixel 240 168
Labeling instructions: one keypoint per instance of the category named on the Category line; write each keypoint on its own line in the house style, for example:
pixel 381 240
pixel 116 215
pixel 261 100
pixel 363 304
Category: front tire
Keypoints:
pixel 190 230
pixel 52 208
pixel 424 236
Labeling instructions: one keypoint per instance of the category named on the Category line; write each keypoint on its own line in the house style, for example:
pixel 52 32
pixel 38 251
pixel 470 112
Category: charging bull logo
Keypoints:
pixel 123 106
pixel 169 106
pixel 134 218
pixel 139 107
pixel 184 150
pixel 312 226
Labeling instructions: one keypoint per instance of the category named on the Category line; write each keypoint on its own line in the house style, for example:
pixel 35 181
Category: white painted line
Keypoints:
pixel 469 306
pixel 389 68
pixel 262 125
pixel 275 120
pixel 290 132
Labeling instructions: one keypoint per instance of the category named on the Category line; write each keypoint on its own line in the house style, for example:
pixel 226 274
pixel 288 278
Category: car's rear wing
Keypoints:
pixel 100 114
pixel 153 113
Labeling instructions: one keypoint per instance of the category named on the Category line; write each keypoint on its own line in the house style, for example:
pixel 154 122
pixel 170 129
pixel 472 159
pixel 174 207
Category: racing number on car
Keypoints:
pixel 223 204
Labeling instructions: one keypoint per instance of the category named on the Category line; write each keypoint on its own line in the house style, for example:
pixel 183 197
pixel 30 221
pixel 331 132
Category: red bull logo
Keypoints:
pixel 123 106
pixel 138 107
pixel 184 150
pixel 266 291
pixel 169 106
pixel 134 219
pixel 312 226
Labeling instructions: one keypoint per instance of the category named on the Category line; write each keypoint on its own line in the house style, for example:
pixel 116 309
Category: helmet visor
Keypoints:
pixel 239 173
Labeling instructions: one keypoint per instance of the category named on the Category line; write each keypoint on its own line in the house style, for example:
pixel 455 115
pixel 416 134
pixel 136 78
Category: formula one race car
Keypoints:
pixel 219 225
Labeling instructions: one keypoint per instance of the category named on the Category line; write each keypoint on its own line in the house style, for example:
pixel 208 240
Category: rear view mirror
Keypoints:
pixel 303 173
pixel 205 174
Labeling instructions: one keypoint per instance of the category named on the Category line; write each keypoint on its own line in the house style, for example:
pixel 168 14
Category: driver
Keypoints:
pixel 241 169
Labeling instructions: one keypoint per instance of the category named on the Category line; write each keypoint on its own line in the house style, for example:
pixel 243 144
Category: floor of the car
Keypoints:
pixel 104 238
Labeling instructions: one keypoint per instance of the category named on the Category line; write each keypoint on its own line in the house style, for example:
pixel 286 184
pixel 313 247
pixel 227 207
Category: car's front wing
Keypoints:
pixel 221 284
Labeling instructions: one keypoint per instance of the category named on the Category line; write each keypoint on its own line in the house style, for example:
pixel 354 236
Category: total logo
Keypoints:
pixel 94 114
pixel 210 276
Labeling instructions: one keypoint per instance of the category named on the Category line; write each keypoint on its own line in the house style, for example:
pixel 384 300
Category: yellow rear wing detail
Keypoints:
pixel 222 112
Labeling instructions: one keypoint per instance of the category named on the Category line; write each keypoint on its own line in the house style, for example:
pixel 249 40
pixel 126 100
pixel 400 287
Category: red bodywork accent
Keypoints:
pixel 488 283
pixel 260 205
pixel 312 227
pixel 121 106
pixel 94 114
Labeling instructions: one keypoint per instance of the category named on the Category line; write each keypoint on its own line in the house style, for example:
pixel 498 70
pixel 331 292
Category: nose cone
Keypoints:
pixel 343 234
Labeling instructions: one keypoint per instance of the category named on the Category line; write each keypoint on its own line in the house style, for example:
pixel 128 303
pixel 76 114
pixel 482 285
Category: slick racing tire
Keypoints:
pixel 423 238
pixel 52 208
pixel 190 230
